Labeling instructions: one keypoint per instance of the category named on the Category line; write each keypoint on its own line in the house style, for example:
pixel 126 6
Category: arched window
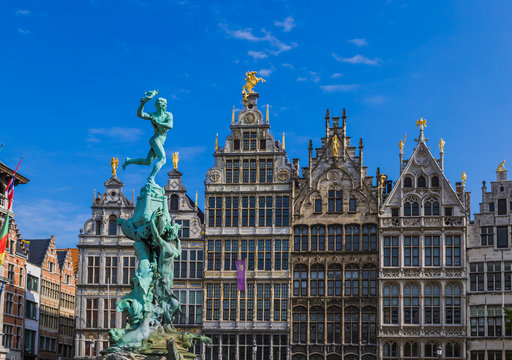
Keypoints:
pixel 335 237
pixel 317 280
pixel 300 324
pixel 352 325
pixel 317 238
pixel 390 350
pixel 352 280
pixel 174 202
pixel 352 237
pixel 316 325
pixel 369 280
pixel 411 207
pixel 300 280
pixel 369 325
pixel 411 350
pixel 300 238
pixel 334 279
pixel 453 304
pixel 390 304
pixel 112 225
pixel 369 237
pixel 407 182
pixel 452 350
pixel 334 325
pixel 431 350
pixel 411 304
pixel 431 206
pixel 422 182
pixel 435 181
pixel 432 304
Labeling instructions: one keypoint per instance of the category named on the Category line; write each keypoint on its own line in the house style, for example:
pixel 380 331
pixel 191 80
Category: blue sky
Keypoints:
pixel 73 73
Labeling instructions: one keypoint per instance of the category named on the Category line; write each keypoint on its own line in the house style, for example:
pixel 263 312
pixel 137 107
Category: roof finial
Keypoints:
pixel 422 123
pixel 463 178
pixel 441 145
pixel 114 163
pixel 175 159
pixel 344 117
pixel 195 203
pixel 94 195
pixel 283 142
pixel 401 144
pixel 267 118
pixel 501 166
pixel 233 116
pixel 216 141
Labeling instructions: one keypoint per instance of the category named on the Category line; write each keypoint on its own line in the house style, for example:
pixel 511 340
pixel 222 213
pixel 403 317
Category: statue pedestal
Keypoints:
pixel 152 197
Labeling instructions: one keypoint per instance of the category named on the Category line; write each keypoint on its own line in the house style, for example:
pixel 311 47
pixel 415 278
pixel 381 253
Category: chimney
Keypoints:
pixel 460 190
pixel 296 166
pixel 501 175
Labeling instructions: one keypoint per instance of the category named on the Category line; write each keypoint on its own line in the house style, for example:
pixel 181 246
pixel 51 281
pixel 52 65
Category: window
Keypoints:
pixel 32 283
pixel 300 238
pixel 335 200
pixel 448 211
pixel 352 204
pixel 109 313
pixel 282 210
pixel 477 320
pixel 10 273
pixel 432 303
pixel 508 275
pixel 432 251
pixel 491 207
pixel 390 304
pixel 214 253
pixel 476 276
pixel 390 351
pixel 229 173
pixel 318 205
pixel 180 265
pixel 487 235
pixel 300 281
pixel 300 324
pixel 334 325
pixel 264 254
pixel 236 170
pixel 369 325
pixel 494 276
pixel 502 206
pixel 245 170
pixel 453 304
pixel 112 225
pixel 352 280
pixel 263 144
pixel 502 240
pixel 51 267
pixel 196 263
pixel 411 207
pixel 431 350
pixel 236 144
pixel 316 325
pixel 407 182
pixel 391 251
pixel 318 238
pixel 369 281
pixel 230 254
pixel 185 228
pixel 280 302
pixel 422 182
pixel 229 302
pixel 252 171
pixel 281 254
pixel 431 207
pixel 231 213
pixel 111 269
pixel 98 227
pixel 9 301
pixel 351 325
pixel 317 280
pixel 411 251
pixel 352 237
pixel 453 250
pixel 452 350
pixel 91 312
pixel 93 270
pixel 335 236
pixel 334 280
pixel 411 350
pixel 214 211
pixel 128 269
pixel 265 211
pixel 370 237
pixel 435 181
pixel 30 342
pixel 411 304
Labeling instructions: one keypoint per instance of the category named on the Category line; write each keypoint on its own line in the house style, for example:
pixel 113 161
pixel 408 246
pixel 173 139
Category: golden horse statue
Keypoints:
pixel 250 81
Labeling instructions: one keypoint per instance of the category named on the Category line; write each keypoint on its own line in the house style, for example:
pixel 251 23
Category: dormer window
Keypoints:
pixel 411 207
pixel 422 182
pixel 236 144
pixel 112 225
pixel 407 182
pixel 174 202
pixel 435 181
pixel 431 207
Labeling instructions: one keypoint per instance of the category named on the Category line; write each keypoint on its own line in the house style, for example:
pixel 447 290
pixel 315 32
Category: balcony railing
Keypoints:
pixel 419 221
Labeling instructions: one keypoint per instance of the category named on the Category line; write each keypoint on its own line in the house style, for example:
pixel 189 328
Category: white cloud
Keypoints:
pixel 301 78
pixel 375 100
pixel 358 42
pixel 357 59
pixel 265 72
pixel 288 24
pixel 123 134
pixel 189 152
pixel 314 76
pixel 247 34
pixel 257 54
pixel 22 12
pixel 336 75
pixel 338 88
pixel 290 66
pixel 23 31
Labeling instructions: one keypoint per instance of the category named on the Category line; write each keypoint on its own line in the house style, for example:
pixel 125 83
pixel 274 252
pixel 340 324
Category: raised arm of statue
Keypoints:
pixel 140 111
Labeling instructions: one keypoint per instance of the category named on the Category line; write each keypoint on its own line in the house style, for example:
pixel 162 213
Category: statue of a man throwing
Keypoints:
pixel 162 122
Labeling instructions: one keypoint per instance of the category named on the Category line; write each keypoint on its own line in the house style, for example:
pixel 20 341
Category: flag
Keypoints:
pixel 10 187
pixel 4 234
pixel 240 275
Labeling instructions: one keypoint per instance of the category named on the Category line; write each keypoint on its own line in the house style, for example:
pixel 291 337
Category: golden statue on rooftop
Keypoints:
pixel 421 123
pixel 175 159
pixel 401 144
pixel 501 166
pixel 441 144
pixel 250 81
pixel 335 145
pixel 382 180
pixel 114 163
pixel 463 178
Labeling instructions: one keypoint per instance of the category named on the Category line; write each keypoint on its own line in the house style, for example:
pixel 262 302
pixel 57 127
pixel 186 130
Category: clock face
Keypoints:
pixel 250 118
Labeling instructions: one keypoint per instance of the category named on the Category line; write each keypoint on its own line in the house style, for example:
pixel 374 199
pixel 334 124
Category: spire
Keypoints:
pixel 216 141
pixel 344 118
pixel 310 150
pixel 267 118
pixel 233 116
pixel 94 195
pixel 283 142
pixel 327 117
pixel 195 203
pixel 421 123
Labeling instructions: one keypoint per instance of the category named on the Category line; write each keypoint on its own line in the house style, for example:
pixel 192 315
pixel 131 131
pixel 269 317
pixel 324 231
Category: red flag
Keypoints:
pixel 4 234
pixel 10 187
pixel 240 275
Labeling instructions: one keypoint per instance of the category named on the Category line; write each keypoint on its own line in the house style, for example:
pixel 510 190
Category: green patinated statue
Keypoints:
pixel 151 305
pixel 162 121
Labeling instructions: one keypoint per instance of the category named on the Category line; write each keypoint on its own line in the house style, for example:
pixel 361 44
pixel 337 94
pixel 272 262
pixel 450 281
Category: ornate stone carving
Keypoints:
pixel 433 221
pixel 412 221
pixel 283 174
pixel 215 176
pixel 249 118
pixel 453 221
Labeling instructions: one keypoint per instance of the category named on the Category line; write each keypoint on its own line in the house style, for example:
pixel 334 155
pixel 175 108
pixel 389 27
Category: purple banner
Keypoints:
pixel 240 274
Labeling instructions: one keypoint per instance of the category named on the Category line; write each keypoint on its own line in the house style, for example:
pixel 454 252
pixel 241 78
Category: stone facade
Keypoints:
pixel 65 346
pixel 489 271
pixel 32 306
pixel 248 195
pixel 334 255
pixel 422 279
